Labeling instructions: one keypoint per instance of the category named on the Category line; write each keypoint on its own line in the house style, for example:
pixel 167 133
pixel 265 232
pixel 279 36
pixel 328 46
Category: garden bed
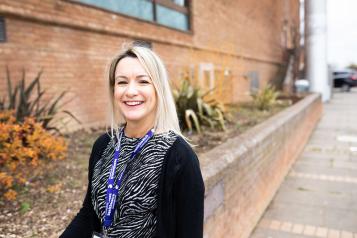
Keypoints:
pixel 242 117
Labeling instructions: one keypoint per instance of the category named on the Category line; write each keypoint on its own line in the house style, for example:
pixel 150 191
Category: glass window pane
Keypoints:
pixel 138 8
pixel 171 18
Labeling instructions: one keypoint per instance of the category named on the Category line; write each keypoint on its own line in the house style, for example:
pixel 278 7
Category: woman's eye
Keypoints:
pixel 122 82
pixel 144 81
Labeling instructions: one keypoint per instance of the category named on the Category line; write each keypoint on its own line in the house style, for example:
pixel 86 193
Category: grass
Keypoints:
pixel 25 207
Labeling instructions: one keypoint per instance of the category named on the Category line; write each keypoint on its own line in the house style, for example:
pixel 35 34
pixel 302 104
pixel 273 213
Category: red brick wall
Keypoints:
pixel 72 43
pixel 243 174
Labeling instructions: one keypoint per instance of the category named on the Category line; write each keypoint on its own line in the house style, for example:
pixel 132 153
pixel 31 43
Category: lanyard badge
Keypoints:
pixel 112 188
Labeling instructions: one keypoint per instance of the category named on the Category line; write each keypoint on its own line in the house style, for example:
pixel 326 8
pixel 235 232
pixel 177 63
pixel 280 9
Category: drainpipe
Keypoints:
pixel 316 47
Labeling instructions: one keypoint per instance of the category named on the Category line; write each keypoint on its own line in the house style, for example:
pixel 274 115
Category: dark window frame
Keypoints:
pixel 3 24
pixel 165 3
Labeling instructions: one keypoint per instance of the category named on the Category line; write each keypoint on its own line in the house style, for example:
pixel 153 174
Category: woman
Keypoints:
pixel 144 179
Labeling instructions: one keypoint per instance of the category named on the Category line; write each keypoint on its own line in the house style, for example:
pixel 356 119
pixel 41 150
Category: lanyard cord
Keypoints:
pixel 112 187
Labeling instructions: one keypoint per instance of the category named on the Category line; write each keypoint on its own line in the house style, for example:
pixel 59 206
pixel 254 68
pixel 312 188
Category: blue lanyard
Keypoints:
pixel 113 191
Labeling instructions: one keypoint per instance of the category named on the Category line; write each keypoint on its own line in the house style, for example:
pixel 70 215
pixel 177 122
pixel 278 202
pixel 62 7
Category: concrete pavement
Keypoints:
pixel 319 195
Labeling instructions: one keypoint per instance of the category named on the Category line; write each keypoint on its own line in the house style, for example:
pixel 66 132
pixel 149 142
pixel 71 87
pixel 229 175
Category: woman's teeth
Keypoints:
pixel 133 103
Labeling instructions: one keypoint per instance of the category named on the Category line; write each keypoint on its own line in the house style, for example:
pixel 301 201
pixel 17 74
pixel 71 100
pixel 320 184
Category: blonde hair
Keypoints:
pixel 166 118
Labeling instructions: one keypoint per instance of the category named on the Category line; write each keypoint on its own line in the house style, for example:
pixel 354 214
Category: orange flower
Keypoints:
pixel 10 195
pixel 6 180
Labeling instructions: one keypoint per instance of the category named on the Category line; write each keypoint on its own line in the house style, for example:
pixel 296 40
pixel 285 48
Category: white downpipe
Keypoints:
pixel 316 47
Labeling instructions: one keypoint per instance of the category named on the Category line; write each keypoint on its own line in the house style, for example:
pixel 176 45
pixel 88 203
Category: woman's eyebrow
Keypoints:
pixel 137 76
pixel 121 76
pixel 142 76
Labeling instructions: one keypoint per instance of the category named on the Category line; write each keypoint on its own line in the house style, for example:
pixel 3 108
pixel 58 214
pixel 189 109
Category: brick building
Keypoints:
pixel 228 45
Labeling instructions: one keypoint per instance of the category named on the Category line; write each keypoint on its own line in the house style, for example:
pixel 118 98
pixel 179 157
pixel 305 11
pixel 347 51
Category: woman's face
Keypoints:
pixel 134 92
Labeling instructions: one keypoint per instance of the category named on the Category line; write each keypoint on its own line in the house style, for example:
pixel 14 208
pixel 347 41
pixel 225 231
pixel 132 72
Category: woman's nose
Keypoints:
pixel 132 89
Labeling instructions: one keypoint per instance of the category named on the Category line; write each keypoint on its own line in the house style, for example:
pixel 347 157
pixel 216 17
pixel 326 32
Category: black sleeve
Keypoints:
pixel 188 195
pixel 86 221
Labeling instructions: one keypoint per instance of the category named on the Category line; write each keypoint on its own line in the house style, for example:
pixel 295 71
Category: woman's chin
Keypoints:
pixel 134 118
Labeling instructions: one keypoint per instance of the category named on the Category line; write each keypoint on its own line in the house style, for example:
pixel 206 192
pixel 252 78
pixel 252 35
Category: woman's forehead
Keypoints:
pixel 130 65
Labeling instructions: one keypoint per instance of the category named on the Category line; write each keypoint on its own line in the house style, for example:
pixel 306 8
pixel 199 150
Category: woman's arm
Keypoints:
pixel 189 196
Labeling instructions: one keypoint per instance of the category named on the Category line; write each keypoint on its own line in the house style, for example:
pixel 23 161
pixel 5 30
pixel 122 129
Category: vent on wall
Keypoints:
pixel 143 43
pixel 2 30
pixel 253 77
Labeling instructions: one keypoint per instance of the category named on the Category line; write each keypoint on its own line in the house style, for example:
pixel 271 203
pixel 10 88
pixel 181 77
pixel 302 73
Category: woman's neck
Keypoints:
pixel 137 130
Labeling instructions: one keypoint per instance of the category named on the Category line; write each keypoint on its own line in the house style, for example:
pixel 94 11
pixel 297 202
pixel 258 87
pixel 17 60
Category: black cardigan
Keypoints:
pixel 180 198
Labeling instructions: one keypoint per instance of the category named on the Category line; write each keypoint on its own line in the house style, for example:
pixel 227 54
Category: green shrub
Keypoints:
pixel 265 98
pixel 25 101
pixel 193 111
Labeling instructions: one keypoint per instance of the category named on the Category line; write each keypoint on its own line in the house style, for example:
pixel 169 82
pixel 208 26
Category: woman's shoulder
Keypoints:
pixel 182 145
pixel 182 151
pixel 101 141
pixel 182 162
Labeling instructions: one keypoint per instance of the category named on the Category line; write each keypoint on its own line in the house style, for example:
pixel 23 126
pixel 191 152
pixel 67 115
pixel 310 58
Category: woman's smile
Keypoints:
pixel 133 103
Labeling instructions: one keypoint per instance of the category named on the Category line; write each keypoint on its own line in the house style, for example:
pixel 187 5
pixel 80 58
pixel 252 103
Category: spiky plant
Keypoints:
pixel 193 111
pixel 265 98
pixel 27 101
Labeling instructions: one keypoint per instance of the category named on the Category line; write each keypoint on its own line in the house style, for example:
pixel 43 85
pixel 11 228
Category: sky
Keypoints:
pixel 342 32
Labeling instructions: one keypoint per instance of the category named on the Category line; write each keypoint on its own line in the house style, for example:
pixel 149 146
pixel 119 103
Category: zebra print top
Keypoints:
pixel 135 214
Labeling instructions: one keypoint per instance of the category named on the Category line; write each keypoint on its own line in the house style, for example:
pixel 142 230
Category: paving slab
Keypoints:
pixel 318 197
pixel 350 164
pixel 268 233
pixel 331 169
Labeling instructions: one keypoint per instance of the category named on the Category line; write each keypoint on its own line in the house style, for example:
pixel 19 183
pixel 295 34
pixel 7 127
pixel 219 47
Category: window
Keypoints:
pixel 2 30
pixel 170 13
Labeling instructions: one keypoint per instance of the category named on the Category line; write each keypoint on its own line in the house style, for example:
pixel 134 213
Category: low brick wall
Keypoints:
pixel 243 174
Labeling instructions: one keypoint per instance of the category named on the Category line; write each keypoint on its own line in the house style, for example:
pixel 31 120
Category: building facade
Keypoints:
pixel 231 46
